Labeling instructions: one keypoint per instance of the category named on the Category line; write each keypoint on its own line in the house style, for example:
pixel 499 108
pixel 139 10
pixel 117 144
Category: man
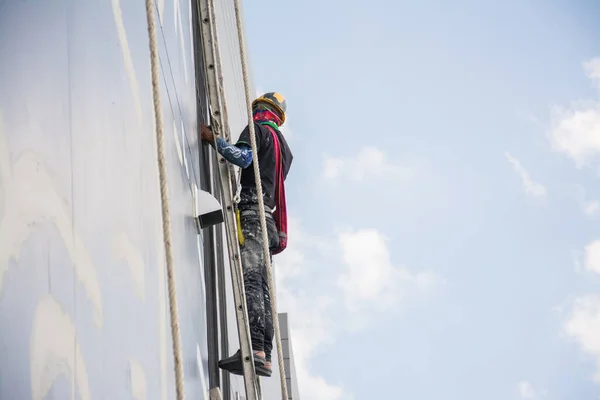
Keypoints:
pixel 269 113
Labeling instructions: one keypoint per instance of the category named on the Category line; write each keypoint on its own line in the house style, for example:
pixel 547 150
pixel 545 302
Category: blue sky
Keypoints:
pixel 443 197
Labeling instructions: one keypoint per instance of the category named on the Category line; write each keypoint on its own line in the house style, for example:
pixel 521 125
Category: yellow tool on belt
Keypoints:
pixel 240 234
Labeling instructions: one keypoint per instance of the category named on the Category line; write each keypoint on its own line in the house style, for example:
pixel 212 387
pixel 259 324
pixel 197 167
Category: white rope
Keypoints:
pixel 238 187
pixel 164 198
pixel 261 205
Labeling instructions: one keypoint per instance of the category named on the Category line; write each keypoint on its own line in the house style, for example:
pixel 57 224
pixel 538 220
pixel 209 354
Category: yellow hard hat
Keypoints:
pixel 276 100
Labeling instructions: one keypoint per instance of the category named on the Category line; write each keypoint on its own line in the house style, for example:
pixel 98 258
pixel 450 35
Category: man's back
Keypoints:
pixel 266 161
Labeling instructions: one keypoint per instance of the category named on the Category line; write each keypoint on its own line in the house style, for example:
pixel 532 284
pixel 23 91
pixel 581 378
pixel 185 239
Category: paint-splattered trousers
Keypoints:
pixel 256 284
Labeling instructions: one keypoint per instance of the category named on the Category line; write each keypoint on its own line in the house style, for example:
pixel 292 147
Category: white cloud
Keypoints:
pixel 584 327
pixel 370 278
pixel 576 133
pixel 310 319
pixel 333 167
pixel 526 390
pixel 592 256
pixel 592 70
pixel 369 161
pixel 318 314
pixel 592 207
pixel 292 262
pixel 532 188
pixel 576 130
pixel 311 327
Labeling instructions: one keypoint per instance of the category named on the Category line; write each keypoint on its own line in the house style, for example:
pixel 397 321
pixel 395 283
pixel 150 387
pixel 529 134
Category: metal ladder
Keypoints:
pixel 220 127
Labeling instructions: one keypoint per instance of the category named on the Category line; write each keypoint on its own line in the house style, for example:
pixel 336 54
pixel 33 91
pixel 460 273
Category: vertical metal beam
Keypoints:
pixel 210 276
pixel 209 239
pixel 222 299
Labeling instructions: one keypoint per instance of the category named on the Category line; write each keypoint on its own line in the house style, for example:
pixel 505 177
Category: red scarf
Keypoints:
pixel 264 115
pixel 268 118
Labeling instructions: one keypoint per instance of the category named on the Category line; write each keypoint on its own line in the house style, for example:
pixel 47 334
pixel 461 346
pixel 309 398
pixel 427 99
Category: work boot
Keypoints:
pixel 234 364
pixel 265 370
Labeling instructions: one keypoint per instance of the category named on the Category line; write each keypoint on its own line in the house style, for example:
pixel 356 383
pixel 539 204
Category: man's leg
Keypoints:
pixel 253 264
pixel 268 342
pixel 252 257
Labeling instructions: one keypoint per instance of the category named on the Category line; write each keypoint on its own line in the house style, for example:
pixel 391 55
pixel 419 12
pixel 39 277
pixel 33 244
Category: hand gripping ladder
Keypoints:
pixel 220 126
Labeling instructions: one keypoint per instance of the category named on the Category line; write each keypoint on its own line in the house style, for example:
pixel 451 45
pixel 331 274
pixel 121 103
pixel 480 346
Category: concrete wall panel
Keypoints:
pixel 83 297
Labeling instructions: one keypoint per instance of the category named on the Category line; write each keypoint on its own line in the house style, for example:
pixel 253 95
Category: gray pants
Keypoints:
pixel 258 300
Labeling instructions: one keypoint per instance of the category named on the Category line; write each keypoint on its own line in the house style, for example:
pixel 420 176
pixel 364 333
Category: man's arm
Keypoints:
pixel 240 155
